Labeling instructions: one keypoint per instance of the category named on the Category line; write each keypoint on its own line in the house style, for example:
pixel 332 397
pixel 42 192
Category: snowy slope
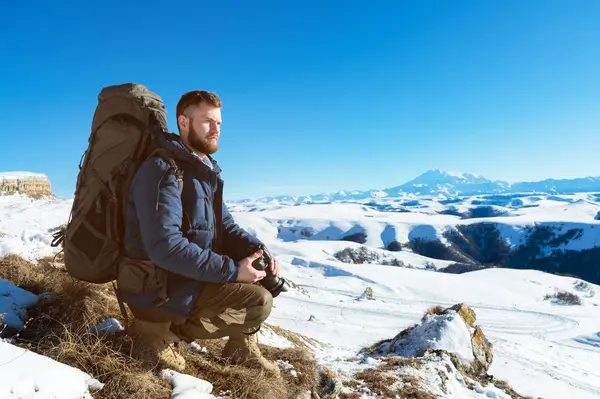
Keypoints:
pixel 541 348
pixel 26 224
pixel 386 220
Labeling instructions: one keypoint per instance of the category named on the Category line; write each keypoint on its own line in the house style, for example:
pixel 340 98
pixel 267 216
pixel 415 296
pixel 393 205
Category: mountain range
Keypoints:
pixel 438 182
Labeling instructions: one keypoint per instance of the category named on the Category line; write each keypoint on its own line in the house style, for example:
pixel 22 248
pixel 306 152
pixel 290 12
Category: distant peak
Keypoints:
pixel 446 173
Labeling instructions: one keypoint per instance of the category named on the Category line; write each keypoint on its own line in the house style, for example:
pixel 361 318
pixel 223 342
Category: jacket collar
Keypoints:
pixel 183 152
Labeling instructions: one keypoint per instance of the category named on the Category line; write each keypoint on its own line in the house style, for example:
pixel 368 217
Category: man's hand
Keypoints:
pixel 274 266
pixel 247 273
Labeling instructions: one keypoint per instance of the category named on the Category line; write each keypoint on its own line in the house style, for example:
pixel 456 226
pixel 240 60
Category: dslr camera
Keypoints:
pixel 274 284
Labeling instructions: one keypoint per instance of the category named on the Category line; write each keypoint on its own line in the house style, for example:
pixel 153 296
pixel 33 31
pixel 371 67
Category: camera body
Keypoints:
pixel 274 284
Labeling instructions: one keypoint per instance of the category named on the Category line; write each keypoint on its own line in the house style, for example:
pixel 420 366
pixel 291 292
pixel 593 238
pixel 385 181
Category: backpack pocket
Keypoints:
pixel 139 276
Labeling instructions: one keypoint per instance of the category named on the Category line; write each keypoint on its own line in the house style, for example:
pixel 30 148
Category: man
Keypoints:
pixel 188 269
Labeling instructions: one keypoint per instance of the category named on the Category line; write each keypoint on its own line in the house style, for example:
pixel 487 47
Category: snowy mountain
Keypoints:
pixel 563 186
pixel 438 182
pixel 434 182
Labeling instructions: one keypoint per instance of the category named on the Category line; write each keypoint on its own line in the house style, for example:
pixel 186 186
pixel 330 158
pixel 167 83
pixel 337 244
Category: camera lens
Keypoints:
pixel 274 284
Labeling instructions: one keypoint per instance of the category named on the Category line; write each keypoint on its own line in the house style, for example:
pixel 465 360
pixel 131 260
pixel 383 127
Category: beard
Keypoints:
pixel 204 146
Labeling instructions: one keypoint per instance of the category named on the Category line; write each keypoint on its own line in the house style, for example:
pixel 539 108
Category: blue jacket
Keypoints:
pixel 192 238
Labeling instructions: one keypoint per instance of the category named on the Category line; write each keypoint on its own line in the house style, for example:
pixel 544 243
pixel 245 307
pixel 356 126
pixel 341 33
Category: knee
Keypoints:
pixel 264 301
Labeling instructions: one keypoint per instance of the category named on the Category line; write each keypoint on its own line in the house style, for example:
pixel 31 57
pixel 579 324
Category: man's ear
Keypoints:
pixel 183 122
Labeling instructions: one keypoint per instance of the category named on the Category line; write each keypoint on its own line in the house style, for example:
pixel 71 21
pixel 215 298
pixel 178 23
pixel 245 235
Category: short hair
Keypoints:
pixel 197 97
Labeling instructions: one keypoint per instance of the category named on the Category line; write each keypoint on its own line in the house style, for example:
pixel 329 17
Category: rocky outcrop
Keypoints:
pixel 32 184
pixel 445 355
pixel 451 330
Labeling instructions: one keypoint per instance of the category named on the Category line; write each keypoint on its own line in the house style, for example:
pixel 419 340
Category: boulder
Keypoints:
pixel 482 351
pixel 32 184
pixel 451 331
pixel 467 314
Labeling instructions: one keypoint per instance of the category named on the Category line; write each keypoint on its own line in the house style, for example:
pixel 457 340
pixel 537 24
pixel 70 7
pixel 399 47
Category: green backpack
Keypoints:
pixel 126 129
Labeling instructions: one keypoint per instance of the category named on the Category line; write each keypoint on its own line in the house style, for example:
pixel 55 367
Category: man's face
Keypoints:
pixel 200 127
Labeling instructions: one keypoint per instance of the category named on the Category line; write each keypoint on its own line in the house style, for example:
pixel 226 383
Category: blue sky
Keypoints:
pixel 318 96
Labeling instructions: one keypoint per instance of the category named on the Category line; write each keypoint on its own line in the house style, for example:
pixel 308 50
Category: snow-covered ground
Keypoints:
pixel 541 348
pixel 26 224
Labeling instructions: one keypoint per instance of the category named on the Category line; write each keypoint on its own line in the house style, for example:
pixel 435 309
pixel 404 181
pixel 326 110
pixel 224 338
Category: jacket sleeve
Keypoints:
pixel 237 241
pixel 159 210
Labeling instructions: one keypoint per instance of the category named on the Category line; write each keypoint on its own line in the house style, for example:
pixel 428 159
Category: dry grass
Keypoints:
pixel 241 382
pixel 299 340
pixel 386 385
pixel 411 389
pixel 58 328
pixel 352 395
pixel 437 309
pixel 395 362
pixel 501 384
pixel 378 381
pixel 506 388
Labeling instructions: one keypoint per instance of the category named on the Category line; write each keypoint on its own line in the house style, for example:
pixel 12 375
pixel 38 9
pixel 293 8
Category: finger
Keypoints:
pixel 275 268
pixel 259 276
pixel 257 254
pixel 272 265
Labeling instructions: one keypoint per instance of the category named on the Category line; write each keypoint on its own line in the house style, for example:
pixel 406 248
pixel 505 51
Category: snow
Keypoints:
pixel 447 331
pixel 27 375
pixel 443 183
pixel 14 302
pixel 18 175
pixel 187 387
pixel 108 327
pixel 540 349
pixel 26 224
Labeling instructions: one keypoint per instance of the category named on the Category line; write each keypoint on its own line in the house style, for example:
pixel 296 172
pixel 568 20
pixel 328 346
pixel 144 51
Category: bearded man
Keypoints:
pixel 187 272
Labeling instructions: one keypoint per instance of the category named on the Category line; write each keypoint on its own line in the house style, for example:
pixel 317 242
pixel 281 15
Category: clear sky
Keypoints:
pixel 318 96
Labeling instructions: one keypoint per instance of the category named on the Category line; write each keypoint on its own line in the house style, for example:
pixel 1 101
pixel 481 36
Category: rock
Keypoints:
pixel 359 238
pixel 482 351
pixel 460 268
pixel 452 331
pixel 330 386
pixel 446 331
pixel 32 184
pixel 394 246
pixel 465 312
pixel 312 318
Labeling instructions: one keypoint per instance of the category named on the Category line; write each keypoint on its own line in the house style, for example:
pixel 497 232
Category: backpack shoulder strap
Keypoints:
pixel 174 169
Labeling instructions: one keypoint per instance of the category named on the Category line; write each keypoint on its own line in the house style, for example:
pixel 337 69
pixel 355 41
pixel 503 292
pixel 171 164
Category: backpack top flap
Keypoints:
pixel 131 99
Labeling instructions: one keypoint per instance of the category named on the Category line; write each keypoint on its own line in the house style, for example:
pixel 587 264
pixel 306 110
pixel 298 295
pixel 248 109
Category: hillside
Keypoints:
pixel 555 233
